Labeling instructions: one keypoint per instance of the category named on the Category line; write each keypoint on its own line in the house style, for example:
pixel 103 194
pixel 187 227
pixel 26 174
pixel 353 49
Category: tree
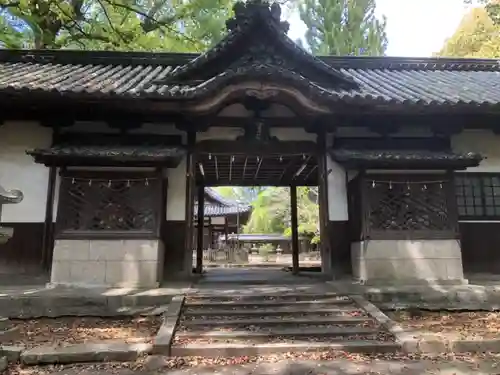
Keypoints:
pixel 343 27
pixel 476 36
pixel 246 195
pixel 152 25
pixel 271 212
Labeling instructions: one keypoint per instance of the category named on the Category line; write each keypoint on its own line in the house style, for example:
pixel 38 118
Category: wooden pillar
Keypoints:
pixel 226 229
pixel 325 244
pixel 48 228
pixel 190 174
pixel 201 227
pixel 210 233
pixel 295 230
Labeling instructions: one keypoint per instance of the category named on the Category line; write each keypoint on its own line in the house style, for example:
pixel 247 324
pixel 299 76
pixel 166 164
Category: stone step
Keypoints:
pixel 278 322
pixel 270 312
pixel 264 303
pixel 235 350
pixel 265 296
pixel 280 332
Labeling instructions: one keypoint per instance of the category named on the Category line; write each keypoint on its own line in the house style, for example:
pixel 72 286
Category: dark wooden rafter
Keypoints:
pixel 289 165
pixel 260 161
pixel 313 170
pixel 216 168
pixel 263 170
pixel 302 167
pixel 231 167
pixel 245 168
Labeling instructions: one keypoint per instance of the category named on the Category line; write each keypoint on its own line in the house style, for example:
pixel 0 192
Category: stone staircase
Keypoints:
pixel 214 325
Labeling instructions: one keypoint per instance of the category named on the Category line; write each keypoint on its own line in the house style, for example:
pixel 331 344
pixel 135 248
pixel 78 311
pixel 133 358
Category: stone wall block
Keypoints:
pixel 88 272
pixel 71 250
pixel 102 250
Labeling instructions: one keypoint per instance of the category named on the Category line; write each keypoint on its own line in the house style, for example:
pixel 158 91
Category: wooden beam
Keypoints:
pixel 256 149
pixel 190 180
pixel 48 228
pixel 295 230
pixel 323 205
pixel 210 233
pixel 200 227
pixel 258 182
pixel 226 229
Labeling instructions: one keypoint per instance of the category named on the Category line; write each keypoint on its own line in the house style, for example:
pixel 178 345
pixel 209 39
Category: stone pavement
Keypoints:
pixel 295 367
pixel 34 301
pixel 254 275
pixel 482 293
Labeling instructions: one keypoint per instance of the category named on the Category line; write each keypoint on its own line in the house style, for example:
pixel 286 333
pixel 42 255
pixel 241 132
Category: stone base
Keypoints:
pixel 112 263
pixel 386 262
pixel 413 282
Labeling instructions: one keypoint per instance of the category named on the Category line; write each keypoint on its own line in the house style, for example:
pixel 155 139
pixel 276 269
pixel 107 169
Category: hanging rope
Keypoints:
pixel 409 183
pixel 109 181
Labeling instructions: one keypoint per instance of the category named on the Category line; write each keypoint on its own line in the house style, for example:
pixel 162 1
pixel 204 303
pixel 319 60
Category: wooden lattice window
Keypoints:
pixel 414 206
pixel 478 196
pixel 106 204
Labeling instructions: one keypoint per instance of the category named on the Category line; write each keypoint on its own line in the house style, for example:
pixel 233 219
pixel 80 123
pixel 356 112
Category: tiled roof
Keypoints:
pixel 217 205
pixel 109 153
pixel 212 194
pixel 268 55
pixel 258 237
pixel 384 158
pixel 213 210
pixel 382 80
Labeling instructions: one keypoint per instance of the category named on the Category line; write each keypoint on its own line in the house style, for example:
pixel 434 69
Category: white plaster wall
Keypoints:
pixel 484 142
pixel 337 191
pixel 293 134
pixel 19 171
pixel 218 220
pixel 176 195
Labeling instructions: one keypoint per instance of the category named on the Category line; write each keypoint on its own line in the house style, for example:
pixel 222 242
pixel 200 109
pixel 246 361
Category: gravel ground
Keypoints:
pixel 61 331
pixel 450 325
pixel 321 363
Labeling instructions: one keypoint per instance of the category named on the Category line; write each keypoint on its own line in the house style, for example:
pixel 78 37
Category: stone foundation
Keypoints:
pixel 116 263
pixel 408 262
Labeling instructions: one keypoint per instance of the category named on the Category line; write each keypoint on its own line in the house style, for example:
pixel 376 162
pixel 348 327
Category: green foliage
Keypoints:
pixel 245 195
pixel 477 36
pixel 343 27
pixel 149 25
pixel 271 212
pixel 265 250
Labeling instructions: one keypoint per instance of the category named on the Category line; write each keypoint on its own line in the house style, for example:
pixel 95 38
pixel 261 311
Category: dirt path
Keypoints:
pixel 464 366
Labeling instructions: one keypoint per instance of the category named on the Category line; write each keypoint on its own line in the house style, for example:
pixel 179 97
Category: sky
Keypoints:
pixel 415 28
